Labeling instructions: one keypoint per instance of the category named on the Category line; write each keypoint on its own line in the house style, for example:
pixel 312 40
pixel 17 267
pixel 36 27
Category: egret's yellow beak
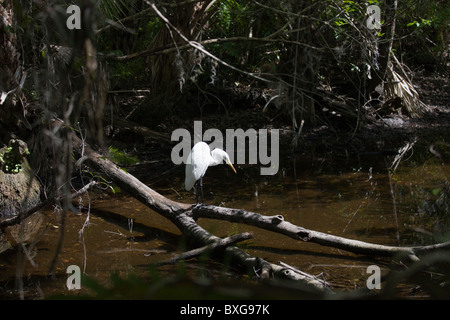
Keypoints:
pixel 229 163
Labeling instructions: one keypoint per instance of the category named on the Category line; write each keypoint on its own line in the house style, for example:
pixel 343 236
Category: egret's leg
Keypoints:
pixel 196 192
pixel 201 187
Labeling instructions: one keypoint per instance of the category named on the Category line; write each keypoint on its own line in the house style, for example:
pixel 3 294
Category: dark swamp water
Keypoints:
pixel 355 196
pixel 357 200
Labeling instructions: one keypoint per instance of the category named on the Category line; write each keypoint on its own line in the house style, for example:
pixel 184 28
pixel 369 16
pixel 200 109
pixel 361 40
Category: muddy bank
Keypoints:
pixel 326 141
pixel 384 136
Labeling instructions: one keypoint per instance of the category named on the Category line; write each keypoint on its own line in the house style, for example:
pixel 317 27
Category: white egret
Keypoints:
pixel 198 161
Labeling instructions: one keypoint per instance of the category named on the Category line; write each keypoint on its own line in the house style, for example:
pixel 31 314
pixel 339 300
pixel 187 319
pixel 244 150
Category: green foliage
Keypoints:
pixel 435 14
pixel 242 18
pixel 126 75
pixel 120 157
pixel 230 20
pixel 11 159
pixel 337 28
pixel 428 20
pixel 423 23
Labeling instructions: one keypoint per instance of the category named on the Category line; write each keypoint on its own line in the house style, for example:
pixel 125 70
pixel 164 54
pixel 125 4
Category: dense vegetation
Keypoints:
pixel 304 63
pixel 312 61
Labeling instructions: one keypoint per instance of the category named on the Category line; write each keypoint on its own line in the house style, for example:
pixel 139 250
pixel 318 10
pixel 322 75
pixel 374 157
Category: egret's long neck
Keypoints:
pixel 217 157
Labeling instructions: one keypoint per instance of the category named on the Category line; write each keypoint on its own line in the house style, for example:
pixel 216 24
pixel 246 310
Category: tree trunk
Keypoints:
pixel 299 64
pixel 11 74
pixel 385 46
pixel 170 70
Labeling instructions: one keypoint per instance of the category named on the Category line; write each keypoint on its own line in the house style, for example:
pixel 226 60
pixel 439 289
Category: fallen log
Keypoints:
pixel 184 216
pixel 279 225
pixel 140 130
pixel 208 248
pixel 181 215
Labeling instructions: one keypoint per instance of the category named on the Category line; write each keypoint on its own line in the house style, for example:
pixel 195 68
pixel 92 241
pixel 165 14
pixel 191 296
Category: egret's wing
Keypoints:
pixel 201 158
pixel 196 164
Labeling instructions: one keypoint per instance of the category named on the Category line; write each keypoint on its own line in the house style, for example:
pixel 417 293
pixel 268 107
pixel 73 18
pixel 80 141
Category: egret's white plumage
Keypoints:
pixel 198 161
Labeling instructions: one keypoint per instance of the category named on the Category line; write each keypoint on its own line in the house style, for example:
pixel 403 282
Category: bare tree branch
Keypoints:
pixel 199 47
pixel 24 214
pixel 220 244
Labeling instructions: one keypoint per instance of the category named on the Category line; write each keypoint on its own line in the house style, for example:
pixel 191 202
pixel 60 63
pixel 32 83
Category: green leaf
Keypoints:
pixel 436 191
